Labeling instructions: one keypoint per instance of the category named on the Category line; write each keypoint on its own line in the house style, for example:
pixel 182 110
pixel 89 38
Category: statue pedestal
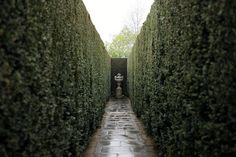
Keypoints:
pixel 118 79
pixel 119 92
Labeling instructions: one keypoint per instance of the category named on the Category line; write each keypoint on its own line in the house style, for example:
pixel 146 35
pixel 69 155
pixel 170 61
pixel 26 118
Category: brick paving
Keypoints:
pixel 121 134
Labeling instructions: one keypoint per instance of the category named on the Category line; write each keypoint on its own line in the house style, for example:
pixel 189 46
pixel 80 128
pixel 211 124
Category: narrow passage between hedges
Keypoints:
pixel 121 134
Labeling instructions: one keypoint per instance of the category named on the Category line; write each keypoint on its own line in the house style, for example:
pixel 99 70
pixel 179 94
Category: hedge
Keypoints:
pixel 182 77
pixel 54 78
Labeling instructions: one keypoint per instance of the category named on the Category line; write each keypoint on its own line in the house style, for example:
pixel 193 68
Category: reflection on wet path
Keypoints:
pixel 121 134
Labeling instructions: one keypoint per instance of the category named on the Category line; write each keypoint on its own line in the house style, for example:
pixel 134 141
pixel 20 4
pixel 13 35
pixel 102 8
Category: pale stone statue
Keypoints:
pixel 119 79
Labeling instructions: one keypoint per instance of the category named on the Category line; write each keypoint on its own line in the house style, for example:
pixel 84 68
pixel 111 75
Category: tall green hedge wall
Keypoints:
pixel 54 78
pixel 182 77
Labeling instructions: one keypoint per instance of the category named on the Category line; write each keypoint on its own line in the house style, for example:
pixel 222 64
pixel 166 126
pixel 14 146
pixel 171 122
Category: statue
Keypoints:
pixel 119 79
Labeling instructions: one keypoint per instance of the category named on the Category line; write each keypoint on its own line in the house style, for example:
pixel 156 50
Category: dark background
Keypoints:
pixel 119 65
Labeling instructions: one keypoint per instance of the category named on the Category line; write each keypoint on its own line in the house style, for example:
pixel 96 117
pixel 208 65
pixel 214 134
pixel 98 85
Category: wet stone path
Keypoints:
pixel 121 134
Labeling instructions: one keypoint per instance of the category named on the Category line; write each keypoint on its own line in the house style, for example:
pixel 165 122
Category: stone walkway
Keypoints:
pixel 121 134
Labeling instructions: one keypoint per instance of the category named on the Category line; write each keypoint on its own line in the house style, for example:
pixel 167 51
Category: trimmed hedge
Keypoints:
pixel 54 78
pixel 182 77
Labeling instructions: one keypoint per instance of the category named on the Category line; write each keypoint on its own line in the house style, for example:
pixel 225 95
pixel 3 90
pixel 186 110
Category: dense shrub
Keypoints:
pixel 182 77
pixel 54 78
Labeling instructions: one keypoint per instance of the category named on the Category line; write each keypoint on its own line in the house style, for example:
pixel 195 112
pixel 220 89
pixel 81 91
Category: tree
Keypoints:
pixel 122 43
pixel 136 18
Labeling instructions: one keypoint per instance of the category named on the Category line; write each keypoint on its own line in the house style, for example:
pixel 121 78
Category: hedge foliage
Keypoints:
pixel 54 78
pixel 182 77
